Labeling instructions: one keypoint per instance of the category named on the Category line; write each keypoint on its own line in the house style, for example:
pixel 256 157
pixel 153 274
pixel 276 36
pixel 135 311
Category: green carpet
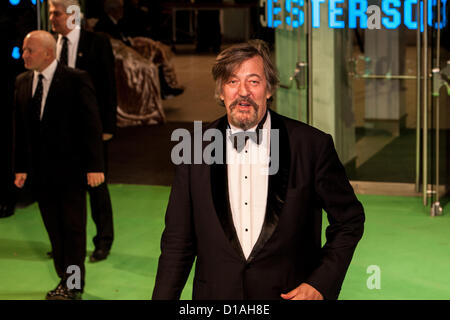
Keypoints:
pixel 410 248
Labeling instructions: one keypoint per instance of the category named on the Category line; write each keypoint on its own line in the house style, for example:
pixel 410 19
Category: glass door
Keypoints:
pixel 373 74
pixel 438 112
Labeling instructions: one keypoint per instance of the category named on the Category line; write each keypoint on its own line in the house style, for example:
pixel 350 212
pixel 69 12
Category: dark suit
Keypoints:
pixel 288 251
pixel 57 153
pixel 105 24
pixel 95 56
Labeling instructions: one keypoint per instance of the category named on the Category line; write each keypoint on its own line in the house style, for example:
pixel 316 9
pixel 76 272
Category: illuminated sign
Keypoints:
pixel 16 2
pixel 290 14
pixel 15 53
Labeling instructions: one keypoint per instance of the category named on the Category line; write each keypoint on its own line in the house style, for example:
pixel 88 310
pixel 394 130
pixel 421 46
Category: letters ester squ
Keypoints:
pixel 290 14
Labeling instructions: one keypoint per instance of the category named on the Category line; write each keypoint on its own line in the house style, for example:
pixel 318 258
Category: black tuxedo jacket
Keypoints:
pixel 66 144
pixel 289 251
pixel 95 55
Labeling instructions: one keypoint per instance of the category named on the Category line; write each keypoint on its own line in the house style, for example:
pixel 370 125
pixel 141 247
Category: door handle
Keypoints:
pixel 441 78
pixel 299 76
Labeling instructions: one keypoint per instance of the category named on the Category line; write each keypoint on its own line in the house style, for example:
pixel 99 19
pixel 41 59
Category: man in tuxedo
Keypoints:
pixel 255 227
pixel 58 152
pixel 91 52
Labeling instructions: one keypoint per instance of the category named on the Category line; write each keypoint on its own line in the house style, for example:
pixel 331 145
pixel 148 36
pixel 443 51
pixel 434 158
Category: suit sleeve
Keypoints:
pixel 110 90
pixel 178 245
pixel 20 136
pixel 92 127
pixel 346 222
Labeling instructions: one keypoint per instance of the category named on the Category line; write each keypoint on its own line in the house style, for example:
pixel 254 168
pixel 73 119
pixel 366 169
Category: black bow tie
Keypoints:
pixel 239 139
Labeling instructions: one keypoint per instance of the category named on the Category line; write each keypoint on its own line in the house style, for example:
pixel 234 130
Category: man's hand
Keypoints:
pixel 95 178
pixel 20 180
pixel 303 292
pixel 107 136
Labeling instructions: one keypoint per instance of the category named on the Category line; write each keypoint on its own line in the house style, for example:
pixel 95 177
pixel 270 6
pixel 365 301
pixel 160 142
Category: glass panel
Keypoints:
pixel 367 84
pixel 291 97
pixel 439 112
pixel 384 98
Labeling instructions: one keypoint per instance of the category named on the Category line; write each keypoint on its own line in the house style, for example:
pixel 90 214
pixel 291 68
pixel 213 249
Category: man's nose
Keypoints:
pixel 243 89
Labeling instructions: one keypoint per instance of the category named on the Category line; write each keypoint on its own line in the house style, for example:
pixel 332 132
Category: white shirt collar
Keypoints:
pixel 235 129
pixel 73 36
pixel 48 72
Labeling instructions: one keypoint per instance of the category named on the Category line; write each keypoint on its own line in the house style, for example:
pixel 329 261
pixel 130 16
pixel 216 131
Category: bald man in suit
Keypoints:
pixel 58 152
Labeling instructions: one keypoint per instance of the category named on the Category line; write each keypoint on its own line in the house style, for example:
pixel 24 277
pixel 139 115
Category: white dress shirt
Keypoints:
pixel 248 185
pixel 46 82
pixel 73 37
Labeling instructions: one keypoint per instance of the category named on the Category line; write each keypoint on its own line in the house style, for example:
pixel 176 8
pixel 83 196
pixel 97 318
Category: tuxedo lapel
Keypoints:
pixel 53 89
pixel 278 183
pixel 220 195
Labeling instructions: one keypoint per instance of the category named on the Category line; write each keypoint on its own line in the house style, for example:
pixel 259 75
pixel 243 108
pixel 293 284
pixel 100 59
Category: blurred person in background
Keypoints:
pixel 91 52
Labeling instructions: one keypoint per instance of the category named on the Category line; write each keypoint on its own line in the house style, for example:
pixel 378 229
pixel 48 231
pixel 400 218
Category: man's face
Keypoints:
pixel 34 55
pixel 58 17
pixel 245 94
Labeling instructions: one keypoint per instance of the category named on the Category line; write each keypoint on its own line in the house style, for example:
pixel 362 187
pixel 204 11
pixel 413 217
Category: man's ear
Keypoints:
pixel 48 52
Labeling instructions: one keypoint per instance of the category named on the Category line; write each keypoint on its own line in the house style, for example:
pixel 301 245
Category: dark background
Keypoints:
pixel 15 23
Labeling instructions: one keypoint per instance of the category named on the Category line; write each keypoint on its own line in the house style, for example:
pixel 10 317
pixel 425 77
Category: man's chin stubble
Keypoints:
pixel 244 124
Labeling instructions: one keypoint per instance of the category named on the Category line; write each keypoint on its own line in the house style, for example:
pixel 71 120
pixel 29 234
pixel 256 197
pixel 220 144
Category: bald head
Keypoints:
pixel 45 39
pixel 39 50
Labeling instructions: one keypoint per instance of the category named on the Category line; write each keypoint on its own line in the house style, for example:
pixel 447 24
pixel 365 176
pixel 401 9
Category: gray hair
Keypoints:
pixel 234 56
pixel 65 3
pixel 46 40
